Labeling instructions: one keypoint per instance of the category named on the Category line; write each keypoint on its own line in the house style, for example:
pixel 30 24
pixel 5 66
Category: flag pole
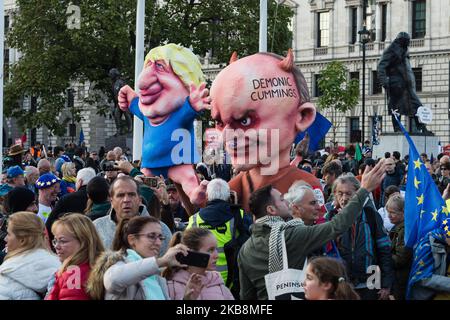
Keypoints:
pixel 2 43
pixel 262 25
pixel 138 125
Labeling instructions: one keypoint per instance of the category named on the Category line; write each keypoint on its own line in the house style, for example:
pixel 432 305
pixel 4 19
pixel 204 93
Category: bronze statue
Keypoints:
pixel 117 83
pixel 397 77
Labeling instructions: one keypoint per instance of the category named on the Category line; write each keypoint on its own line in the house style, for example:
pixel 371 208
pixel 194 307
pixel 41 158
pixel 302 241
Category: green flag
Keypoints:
pixel 358 153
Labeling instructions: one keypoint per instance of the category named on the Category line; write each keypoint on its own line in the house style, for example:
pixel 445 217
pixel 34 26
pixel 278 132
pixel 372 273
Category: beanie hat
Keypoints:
pixel 47 180
pixel 19 199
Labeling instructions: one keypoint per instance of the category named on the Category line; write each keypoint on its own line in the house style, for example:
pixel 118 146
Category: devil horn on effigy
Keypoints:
pixel 234 57
pixel 288 62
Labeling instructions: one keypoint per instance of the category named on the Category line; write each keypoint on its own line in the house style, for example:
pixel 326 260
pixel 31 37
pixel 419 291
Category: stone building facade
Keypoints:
pixel 324 31
pixel 327 30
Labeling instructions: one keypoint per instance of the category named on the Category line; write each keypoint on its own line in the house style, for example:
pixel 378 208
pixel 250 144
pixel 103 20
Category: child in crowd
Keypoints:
pixel 212 287
pixel 326 280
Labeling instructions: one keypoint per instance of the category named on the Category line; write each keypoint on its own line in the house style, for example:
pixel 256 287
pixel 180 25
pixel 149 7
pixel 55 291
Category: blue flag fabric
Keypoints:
pixel 424 211
pixel 423 263
pixel 317 131
pixel 424 206
pixel 81 136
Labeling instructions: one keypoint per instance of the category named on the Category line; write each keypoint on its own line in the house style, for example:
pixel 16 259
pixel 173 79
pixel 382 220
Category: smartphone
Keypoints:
pixel 194 258
pixel 150 181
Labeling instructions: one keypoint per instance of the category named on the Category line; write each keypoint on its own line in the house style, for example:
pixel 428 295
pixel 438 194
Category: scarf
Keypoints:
pixel 150 285
pixel 277 226
pixel 70 179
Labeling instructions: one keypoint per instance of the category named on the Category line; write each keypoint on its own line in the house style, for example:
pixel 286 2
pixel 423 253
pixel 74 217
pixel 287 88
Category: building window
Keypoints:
pixel 419 17
pixel 317 92
pixel 376 85
pixel 6 20
pixel 354 75
pixel 354 25
pixel 355 132
pixel 383 22
pixel 323 24
pixel 6 52
pixel 6 64
pixel 418 76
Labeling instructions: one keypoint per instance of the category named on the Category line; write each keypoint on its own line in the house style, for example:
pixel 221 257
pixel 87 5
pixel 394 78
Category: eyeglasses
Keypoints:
pixel 152 236
pixel 61 243
pixel 444 168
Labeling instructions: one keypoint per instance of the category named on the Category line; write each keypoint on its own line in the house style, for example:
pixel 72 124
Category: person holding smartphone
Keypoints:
pixel 202 243
pixel 132 271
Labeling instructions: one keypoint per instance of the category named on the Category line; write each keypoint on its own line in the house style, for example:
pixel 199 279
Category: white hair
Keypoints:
pixel 297 192
pixel 86 174
pixel 218 189
pixel 29 170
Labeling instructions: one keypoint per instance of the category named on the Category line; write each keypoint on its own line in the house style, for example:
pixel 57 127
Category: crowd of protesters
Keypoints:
pixel 68 213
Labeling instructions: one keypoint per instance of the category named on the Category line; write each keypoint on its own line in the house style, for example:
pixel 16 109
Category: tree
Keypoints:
pixel 55 56
pixel 225 26
pixel 338 92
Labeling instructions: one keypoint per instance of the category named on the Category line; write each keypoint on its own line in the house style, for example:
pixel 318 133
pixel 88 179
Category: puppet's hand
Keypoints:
pixel 126 95
pixel 199 97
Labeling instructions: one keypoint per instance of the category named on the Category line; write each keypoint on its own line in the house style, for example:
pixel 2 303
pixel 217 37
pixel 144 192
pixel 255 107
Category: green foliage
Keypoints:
pixel 338 92
pixel 224 26
pixel 54 57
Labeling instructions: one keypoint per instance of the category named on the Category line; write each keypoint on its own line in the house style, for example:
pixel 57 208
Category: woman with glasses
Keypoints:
pixel 77 245
pixel 212 285
pixel 29 264
pixel 132 272
pixel 401 255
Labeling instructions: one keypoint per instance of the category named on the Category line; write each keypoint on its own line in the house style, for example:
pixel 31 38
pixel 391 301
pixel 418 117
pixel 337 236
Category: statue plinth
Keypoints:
pixel 124 141
pixel 396 141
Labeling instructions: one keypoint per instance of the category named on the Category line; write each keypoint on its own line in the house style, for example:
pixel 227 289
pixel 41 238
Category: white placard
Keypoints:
pixel 425 115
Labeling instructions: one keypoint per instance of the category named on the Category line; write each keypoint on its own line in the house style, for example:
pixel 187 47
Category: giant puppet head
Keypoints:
pixel 165 81
pixel 260 103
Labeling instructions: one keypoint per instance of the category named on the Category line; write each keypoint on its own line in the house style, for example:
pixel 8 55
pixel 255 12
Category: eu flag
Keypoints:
pixel 81 140
pixel 317 131
pixel 424 211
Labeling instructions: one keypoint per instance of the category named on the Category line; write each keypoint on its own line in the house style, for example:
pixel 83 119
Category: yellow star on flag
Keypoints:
pixel 445 221
pixel 445 210
pixel 418 272
pixel 417 164
pixel 416 183
pixel 420 199
pixel 435 214
pixel 446 228
pixel 448 234
pixel 421 263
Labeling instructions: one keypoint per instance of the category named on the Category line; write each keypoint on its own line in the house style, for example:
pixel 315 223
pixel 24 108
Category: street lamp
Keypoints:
pixel 364 38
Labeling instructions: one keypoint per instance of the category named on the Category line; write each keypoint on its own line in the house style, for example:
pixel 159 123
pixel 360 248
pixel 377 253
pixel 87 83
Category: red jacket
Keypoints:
pixel 71 284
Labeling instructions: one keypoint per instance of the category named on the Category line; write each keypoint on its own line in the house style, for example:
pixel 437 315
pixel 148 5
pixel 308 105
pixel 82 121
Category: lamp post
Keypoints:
pixel 364 37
